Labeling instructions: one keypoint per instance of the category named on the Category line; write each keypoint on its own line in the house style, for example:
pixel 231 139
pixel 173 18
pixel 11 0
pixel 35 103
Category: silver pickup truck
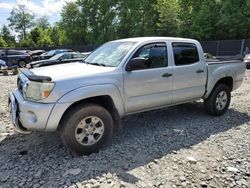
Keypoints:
pixel 84 101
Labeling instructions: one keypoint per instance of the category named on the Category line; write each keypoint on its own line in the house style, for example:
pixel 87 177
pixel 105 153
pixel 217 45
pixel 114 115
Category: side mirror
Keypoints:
pixel 136 64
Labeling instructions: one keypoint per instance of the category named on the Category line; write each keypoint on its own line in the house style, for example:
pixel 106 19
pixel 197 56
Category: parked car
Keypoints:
pixel 65 57
pixel 85 101
pixel 51 53
pixel 14 58
pixel 2 64
pixel 247 60
pixel 35 54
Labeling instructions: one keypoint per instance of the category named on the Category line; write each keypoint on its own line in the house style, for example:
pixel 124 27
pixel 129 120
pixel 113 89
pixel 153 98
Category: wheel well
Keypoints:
pixel 227 81
pixel 104 101
pixel 22 60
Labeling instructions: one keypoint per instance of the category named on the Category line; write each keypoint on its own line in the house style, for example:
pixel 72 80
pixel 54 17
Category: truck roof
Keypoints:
pixel 144 39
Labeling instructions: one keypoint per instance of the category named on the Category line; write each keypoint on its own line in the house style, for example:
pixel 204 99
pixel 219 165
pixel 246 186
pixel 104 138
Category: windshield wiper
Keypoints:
pixel 98 64
pixel 83 61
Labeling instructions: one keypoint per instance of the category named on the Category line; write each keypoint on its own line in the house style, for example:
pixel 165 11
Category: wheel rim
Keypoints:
pixel 22 64
pixel 89 130
pixel 221 100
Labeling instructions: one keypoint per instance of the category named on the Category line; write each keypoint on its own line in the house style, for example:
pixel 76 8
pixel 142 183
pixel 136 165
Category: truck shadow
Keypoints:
pixel 146 137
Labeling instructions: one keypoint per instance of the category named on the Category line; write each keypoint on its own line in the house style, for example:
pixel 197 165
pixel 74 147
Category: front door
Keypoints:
pixel 150 85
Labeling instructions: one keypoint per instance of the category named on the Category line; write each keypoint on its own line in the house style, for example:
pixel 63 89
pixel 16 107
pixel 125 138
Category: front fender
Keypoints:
pixel 83 93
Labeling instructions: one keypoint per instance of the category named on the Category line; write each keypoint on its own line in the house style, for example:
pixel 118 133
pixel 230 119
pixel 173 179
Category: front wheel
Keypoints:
pixel 22 64
pixel 86 128
pixel 218 101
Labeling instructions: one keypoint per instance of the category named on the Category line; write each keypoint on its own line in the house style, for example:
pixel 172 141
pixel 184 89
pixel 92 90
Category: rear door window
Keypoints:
pixel 185 53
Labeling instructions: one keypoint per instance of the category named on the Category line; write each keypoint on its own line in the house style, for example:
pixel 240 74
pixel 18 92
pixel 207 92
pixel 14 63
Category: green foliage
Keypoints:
pixel 168 23
pixel 7 37
pixel 234 19
pixel 95 22
pixel 20 19
pixel 137 18
pixel 26 42
pixel 3 44
pixel 74 24
pixel 57 36
pixel 43 22
pixel 45 38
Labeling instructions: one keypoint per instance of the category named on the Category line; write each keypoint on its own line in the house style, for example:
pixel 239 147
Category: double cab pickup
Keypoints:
pixel 86 100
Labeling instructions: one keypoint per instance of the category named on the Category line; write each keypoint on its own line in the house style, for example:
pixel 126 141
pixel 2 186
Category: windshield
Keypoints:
pixel 110 54
pixel 56 57
pixel 51 52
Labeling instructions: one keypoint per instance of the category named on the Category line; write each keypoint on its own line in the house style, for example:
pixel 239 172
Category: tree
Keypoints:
pixel 137 18
pixel 20 19
pixel 57 35
pixel 35 35
pixel 43 22
pixel 26 42
pixel 233 20
pixel 204 21
pixel 3 44
pixel 7 37
pixel 168 22
pixel 73 24
pixel 44 39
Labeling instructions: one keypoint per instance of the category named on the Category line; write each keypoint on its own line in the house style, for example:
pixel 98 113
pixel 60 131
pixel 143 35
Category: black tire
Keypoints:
pixel 22 64
pixel 210 103
pixel 70 124
pixel 248 65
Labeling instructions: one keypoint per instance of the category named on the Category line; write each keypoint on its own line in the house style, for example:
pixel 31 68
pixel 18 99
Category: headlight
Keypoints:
pixel 38 90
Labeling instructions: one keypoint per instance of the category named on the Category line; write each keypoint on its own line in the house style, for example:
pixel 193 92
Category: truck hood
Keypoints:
pixel 68 70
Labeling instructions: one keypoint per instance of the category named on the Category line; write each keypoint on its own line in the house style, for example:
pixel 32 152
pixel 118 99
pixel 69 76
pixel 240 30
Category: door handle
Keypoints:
pixel 166 75
pixel 199 71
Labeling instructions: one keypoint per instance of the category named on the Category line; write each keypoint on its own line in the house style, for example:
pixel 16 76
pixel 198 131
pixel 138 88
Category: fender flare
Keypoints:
pixel 82 93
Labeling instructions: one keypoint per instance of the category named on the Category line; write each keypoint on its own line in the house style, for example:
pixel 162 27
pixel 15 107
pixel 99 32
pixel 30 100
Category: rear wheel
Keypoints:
pixel 86 128
pixel 218 101
pixel 22 64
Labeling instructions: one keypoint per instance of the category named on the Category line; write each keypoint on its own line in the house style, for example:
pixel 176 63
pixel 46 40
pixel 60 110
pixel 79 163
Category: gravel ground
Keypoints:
pixel 174 147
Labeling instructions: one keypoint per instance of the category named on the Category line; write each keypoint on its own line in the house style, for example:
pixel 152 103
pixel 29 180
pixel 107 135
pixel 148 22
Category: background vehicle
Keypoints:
pixel 15 58
pixel 247 60
pixel 35 54
pixel 85 101
pixel 51 53
pixel 2 64
pixel 65 57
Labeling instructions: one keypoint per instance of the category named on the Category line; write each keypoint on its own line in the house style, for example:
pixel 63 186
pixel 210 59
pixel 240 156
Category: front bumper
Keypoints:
pixel 26 115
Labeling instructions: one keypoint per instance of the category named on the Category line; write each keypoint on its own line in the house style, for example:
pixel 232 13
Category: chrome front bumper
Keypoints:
pixel 28 116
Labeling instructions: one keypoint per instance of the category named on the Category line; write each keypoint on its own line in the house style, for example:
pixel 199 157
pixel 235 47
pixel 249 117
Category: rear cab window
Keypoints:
pixel 185 53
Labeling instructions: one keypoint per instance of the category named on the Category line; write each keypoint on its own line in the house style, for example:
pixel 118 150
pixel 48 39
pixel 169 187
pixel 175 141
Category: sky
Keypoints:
pixel 50 8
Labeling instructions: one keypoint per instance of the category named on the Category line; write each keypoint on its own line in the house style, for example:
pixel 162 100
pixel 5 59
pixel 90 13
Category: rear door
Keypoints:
pixel 151 85
pixel 189 73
